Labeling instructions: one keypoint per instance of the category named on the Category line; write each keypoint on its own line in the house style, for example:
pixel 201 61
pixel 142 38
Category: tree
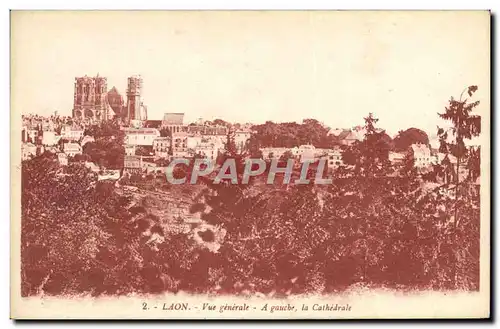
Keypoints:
pixel 81 157
pixel 370 157
pixel 143 150
pixel 291 134
pixel 474 163
pixel 254 147
pixel 230 145
pixel 406 138
pixel 162 162
pixel 107 150
pixel 60 227
pixel 408 168
pixel 465 125
pixel 220 122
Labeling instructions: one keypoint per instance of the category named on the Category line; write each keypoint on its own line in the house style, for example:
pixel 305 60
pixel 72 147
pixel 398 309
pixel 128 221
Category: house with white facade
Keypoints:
pixel 72 133
pixel 421 155
pixel 141 136
pixel 207 150
pixel 193 140
pixel 396 158
pixel 62 158
pixel 179 144
pixel 72 149
pixel 50 138
pixel 161 146
pixel 241 138
pixel 334 158
pixel 28 151
pixel 109 175
pixel 129 149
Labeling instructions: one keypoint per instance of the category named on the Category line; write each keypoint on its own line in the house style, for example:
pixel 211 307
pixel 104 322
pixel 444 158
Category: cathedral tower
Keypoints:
pixel 89 98
pixel 134 104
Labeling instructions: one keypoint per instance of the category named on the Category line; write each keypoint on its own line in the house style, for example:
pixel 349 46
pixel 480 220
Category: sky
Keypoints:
pixel 258 66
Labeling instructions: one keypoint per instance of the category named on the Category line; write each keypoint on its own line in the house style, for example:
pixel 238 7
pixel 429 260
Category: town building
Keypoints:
pixel 40 123
pixel 341 136
pixel 174 123
pixel 241 138
pixel 50 138
pixel 297 151
pixel 396 158
pixel 141 136
pixel 129 149
pixel 52 149
pixel 156 169
pixel 179 144
pixel 320 152
pixel 40 149
pixel 31 136
pixel 193 140
pixel 209 151
pixel 161 146
pixel 217 139
pixel 47 125
pixel 214 130
pixel 421 155
pixel 28 151
pixel 137 124
pixel 307 153
pixel 334 158
pixel 447 191
pixel 72 132
pixel 109 175
pixel 72 149
pixel 153 124
pixel 132 163
pixel 356 134
pixel 138 164
pixel 62 158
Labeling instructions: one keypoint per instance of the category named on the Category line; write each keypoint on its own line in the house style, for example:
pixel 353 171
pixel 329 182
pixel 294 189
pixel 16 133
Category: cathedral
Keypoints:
pixel 94 103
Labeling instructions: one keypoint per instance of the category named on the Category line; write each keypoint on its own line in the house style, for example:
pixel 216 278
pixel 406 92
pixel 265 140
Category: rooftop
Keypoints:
pixel 146 131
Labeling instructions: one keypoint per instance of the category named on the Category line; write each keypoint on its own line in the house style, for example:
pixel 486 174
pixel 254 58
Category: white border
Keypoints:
pixel 255 4
pixel 184 4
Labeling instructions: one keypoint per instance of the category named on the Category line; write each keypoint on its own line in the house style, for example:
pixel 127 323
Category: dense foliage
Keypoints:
pixel 291 134
pixel 410 136
pixel 107 150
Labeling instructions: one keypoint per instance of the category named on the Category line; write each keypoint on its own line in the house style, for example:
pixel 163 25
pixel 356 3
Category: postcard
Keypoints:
pixel 250 164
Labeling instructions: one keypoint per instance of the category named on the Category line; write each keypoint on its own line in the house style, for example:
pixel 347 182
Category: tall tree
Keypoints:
pixel 370 156
pixel 465 125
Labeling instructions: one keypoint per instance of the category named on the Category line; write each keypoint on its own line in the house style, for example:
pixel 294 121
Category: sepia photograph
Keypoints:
pixel 250 164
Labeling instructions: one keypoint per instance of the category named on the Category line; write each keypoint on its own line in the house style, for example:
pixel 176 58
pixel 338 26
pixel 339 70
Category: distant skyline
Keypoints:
pixel 258 66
